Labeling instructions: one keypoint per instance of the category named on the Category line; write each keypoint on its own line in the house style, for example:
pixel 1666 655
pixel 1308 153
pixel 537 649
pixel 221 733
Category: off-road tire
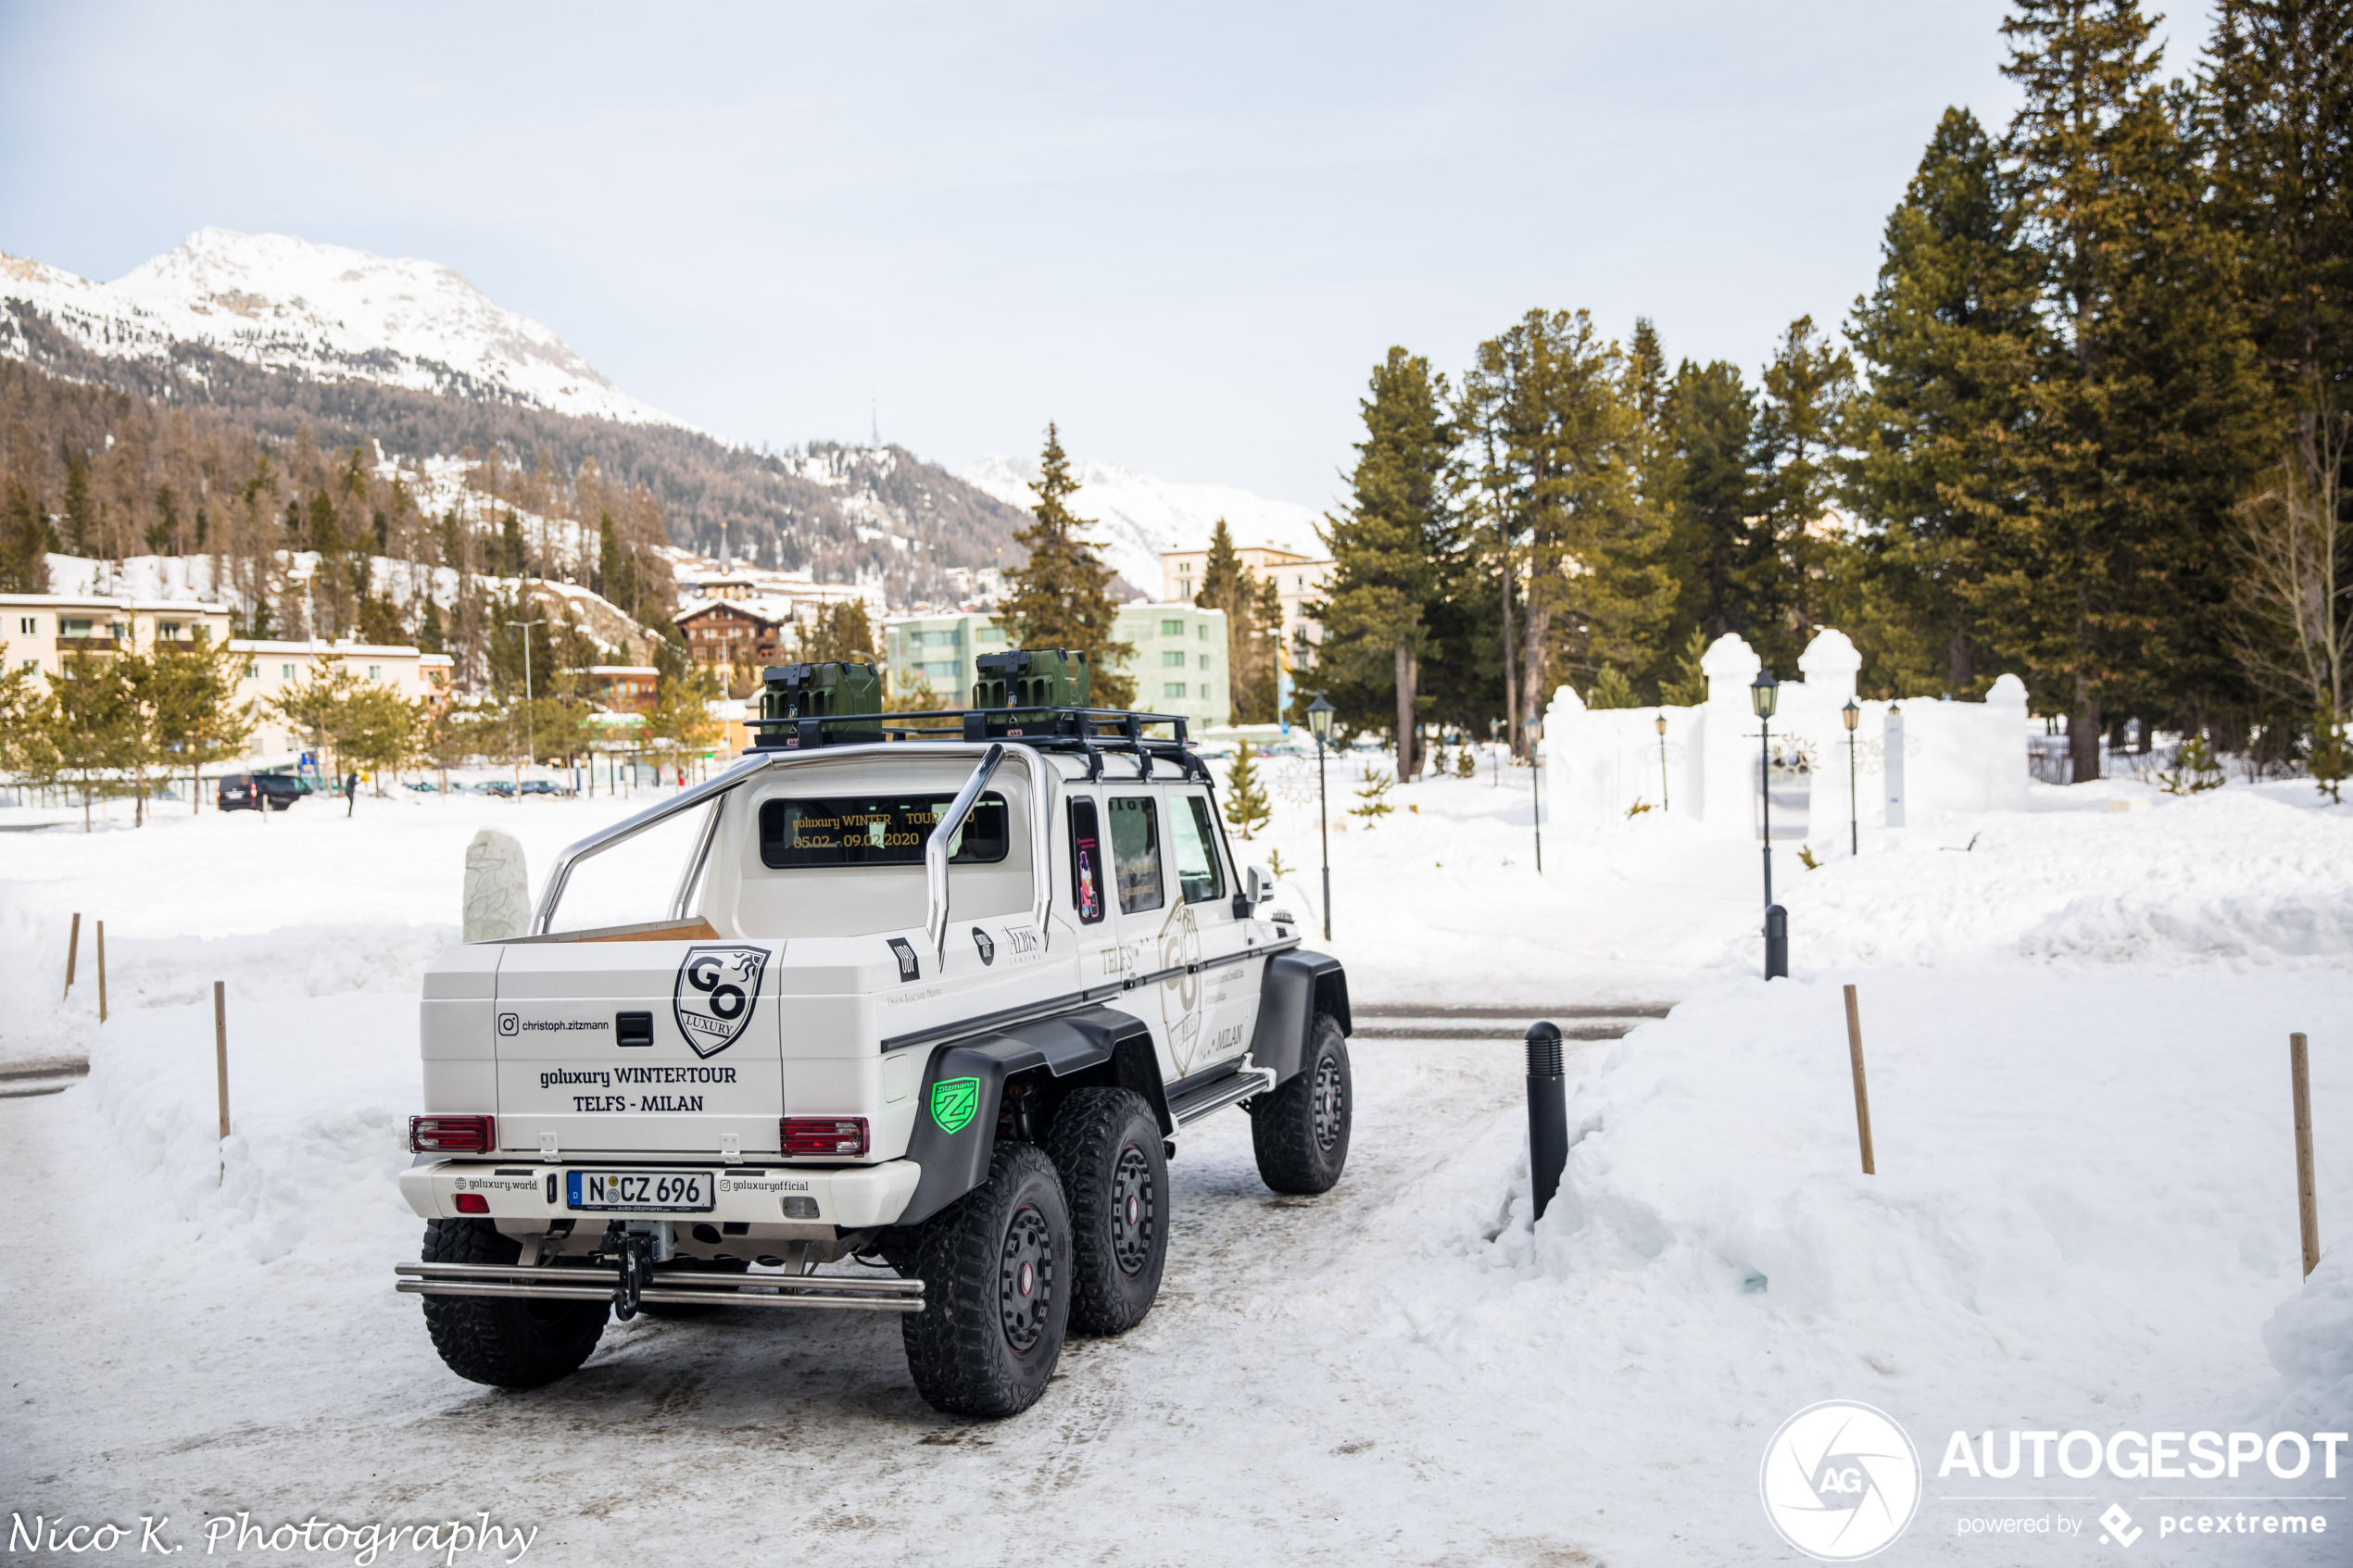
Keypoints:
pixel 1299 1130
pixel 1106 1147
pixel 982 1347
pixel 511 1342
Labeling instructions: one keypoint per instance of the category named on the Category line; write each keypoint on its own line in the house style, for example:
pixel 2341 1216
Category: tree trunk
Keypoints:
pixel 1540 630
pixel 2083 735
pixel 1961 659
pixel 1408 671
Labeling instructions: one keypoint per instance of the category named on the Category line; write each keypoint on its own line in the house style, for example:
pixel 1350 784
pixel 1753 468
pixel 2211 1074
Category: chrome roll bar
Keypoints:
pixel 755 763
pixel 936 846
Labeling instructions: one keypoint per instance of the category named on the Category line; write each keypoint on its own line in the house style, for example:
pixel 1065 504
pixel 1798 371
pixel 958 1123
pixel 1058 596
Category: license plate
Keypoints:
pixel 640 1192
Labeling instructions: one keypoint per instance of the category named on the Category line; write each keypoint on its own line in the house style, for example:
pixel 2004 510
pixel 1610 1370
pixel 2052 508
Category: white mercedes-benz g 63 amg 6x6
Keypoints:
pixel 936 994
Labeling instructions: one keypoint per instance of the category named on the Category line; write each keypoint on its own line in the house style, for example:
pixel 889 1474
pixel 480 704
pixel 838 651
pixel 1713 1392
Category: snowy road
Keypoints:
pixel 1243 1419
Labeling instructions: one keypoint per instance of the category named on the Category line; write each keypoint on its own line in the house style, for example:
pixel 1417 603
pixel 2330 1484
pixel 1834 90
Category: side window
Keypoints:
pixel 1194 838
pixel 1086 861
pixel 1135 853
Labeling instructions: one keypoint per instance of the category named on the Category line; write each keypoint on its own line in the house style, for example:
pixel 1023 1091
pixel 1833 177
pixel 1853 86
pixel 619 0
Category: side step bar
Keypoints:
pixel 558 1282
pixel 1191 1105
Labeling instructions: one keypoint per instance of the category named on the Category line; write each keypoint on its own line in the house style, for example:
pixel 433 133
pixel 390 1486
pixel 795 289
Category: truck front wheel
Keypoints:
pixel 1300 1131
pixel 1106 1144
pixel 995 1271
pixel 511 1342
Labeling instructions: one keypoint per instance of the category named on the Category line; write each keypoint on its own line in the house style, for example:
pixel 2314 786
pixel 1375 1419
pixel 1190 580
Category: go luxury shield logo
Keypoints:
pixel 954 1102
pixel 716 993
pixel 1840 1481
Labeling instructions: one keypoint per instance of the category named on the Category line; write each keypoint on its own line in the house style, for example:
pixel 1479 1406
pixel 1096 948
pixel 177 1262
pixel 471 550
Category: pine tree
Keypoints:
pixel 430 636
pixel 607 557
pixel 24 543
pixel 1612 689
pixel 2148 411
pixel 1061 596
pixel 2277 94
pixel 1247 807
pixel 513 558
pixel 1266 669
pixel 82 509
pixel 1687 687
pixel 1807 388
pixel 1710 431
pixel 1950 340
pixel 1597 592
pixel 1390 547
pixel 1225 584
pixel 1372 796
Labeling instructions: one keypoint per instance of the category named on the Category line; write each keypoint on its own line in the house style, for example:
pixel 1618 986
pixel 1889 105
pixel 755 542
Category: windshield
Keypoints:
pixel 876 830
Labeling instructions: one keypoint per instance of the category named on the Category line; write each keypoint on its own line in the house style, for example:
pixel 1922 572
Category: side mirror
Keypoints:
pixel 1258 885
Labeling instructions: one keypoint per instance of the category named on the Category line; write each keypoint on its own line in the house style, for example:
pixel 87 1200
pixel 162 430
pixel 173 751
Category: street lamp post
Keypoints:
pixel 1854 716
pixel 1764 694
pixel 1535 728
pixel 1319 721
pixel 1663 801
pixel 531 741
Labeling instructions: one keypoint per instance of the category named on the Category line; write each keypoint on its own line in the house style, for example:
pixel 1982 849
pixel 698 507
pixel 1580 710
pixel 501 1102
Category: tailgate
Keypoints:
pixel 640 1046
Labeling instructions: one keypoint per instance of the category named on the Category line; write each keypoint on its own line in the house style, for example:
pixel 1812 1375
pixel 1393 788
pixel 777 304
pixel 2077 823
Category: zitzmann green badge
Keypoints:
pixel 953 1103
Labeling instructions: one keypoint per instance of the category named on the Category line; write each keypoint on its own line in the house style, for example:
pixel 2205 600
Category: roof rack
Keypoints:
pixel 1088 732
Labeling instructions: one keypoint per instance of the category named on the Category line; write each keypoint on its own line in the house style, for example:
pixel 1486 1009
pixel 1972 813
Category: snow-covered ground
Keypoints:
pixel 2084 1218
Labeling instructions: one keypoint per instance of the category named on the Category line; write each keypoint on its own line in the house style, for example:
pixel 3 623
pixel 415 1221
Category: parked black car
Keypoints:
pixel 246 792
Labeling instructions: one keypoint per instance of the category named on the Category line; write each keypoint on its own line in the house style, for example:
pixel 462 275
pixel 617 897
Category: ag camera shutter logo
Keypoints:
pixel 1840 1481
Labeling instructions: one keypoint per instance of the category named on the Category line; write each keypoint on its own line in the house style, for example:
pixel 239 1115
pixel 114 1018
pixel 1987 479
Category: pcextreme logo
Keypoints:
pixel 1840 1481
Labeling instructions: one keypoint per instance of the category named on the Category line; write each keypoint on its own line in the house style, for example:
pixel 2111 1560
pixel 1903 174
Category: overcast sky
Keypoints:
pixel 1185 235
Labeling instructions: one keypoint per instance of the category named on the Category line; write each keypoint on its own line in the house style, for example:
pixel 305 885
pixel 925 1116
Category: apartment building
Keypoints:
pixel 1300 580
pixel 1179 664
pixel 272 667
pixel 40 632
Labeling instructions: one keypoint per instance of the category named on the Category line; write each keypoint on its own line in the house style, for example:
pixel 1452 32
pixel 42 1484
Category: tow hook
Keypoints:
pixel 637 1260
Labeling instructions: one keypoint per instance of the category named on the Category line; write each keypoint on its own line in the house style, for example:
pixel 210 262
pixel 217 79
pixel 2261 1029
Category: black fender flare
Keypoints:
pixel 1297 986
pixel 1096 1042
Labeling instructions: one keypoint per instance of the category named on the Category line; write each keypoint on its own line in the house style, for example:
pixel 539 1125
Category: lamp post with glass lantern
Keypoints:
pixel 1854 716
pixel 1319 721
pixel 1764 695
pixel 1662 763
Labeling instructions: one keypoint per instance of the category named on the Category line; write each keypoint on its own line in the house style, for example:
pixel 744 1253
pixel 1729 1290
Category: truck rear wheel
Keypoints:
pixel 1106 1145
pixel 1299 1130
pixel 995 1271
pixel 511 1342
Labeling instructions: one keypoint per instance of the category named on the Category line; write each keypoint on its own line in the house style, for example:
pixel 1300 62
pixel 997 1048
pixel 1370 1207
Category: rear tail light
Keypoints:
pixel 452 1134
pixel 826 1136
pixel 473 1203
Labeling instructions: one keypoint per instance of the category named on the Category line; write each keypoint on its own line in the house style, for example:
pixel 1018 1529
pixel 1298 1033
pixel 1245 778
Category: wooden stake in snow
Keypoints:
pixel 2308 1202
pixel 102 971
pixel 220 1057
pixel 1862 1093
pixel 73 951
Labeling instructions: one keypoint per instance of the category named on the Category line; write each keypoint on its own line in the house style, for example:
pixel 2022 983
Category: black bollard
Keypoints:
pixel 1776 943
pixel 1547 1113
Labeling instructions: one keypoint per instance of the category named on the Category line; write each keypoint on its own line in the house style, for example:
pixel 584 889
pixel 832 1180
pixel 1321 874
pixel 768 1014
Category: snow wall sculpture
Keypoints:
pixel 497 896
pixel 1599 764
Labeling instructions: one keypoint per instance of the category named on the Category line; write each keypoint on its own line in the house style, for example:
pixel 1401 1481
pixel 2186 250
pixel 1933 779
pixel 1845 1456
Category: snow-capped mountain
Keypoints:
pixel 1137 516
pixel 324 312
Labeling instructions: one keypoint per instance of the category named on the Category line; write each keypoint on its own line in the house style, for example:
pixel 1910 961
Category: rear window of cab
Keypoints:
pixel 879 829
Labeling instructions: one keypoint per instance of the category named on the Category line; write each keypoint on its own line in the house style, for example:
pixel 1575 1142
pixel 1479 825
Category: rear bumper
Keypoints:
pixel 852 1198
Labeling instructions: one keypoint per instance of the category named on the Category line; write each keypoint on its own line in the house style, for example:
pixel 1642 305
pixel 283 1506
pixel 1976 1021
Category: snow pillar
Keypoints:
pixel 1729 749
pixel 2005 745
pixel 1571 762
pixel 1830 664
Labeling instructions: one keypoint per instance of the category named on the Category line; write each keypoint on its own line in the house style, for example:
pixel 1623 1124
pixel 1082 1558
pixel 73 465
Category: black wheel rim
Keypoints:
pixel 1331 1103
pixel 1026 1278
pixel 1133 1216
